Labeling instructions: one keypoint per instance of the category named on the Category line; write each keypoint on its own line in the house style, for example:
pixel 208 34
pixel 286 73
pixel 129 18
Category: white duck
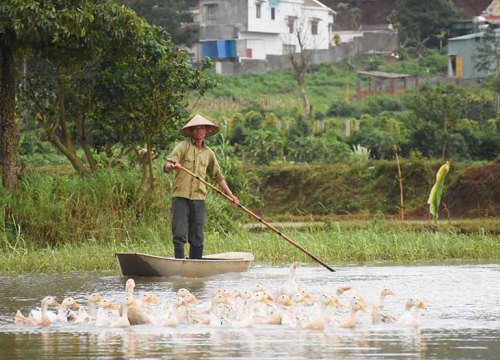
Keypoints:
pixel 136 314
pixel 149 303
pixel 122 321
pixel 220 309
pixel 44 319
pixel 182 292
pixel 243 304
pixel 290 287
pixel 409 318
pixel 64 313
pixel 61 314
pixel 168 315
pixel 21 320
pixel 356 305
pixel 270 312
pixel 129 286
pixel 288 309
pixel 103 317
pixel 182 310
pixel 84 317
pixel 246 312
pixel 93 301
pixel 322 317
pixel 385 292
pixel 328 304
pixel 379 318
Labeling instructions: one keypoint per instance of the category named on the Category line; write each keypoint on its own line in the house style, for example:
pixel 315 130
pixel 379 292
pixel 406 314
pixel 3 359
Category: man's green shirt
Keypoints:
pixel 202 162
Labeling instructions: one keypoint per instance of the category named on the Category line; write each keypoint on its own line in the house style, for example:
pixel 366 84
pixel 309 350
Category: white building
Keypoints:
pixel 234 30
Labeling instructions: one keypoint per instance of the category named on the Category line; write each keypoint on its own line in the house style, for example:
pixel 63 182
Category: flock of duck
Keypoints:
pixel 289 305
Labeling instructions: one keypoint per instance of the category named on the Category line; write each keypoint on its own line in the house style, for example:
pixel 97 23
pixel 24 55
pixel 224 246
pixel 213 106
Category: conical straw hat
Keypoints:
pixel 199 120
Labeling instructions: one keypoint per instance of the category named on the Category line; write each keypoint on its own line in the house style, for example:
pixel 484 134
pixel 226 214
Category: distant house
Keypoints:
pixel 235 30
pixel 462 50
pixel 462 56
pixel 492 13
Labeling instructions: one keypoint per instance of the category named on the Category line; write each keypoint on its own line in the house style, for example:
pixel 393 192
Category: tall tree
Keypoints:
pixel 438 118
pixel 145 98
pixel 488 52
pixel 348 16
pixel 300 59
pixel 424 20
pixel 9 132
pixel 488 60
pixel 172 15
pixel 53 29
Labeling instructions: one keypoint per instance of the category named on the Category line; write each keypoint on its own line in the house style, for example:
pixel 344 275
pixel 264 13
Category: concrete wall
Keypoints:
pixel 378 42
pixel 261 45
pixel 230 17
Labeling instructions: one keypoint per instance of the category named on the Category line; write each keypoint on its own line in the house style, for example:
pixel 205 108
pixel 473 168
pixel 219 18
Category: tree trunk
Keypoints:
pixel 90 158
pixel 9 129
pixel 80 121
pixel 300 64
pixel 78 165
pixel 152 178
pixel 305 99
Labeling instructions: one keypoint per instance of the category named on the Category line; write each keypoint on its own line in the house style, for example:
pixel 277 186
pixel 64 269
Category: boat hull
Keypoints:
pixel 138 264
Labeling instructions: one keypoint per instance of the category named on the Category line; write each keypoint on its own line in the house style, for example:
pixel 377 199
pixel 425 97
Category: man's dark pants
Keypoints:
pixel 188 223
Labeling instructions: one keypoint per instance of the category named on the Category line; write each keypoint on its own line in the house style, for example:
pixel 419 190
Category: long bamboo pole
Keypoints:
pixel 251 213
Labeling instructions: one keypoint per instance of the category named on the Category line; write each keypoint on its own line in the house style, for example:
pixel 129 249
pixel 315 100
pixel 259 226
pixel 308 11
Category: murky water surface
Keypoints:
pixel 462 319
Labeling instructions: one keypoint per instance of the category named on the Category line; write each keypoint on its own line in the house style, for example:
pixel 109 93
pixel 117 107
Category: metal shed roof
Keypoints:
pixel 385 75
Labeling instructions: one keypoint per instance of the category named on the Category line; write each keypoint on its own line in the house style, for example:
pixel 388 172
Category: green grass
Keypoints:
pixel 339 243
pixel 277 91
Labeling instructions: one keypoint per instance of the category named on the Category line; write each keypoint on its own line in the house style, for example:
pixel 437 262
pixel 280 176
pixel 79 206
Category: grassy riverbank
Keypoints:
pixel 66 222
pixel 336 243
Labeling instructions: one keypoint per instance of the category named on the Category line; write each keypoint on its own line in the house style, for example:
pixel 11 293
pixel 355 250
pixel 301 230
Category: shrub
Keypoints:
pixel 343 109
pixel 316 149
pixel 374 105
pixel 263 146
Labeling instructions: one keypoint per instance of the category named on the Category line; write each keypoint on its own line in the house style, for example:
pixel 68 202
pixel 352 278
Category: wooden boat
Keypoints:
pixel 137 264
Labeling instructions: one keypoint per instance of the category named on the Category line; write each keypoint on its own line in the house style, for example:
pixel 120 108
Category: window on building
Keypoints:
pixel 258 8
pixel 314 27
pixel 210 9
pixel 273 13
pixel 290 23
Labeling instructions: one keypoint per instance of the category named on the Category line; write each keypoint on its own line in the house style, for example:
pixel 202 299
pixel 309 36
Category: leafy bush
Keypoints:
pixel 359 155
pixel 489 146
pixel 316 149
pixel 253 120
pixel 300 126
pixel 263 146
pixel 434 62
pixel 376 104
pixel 379 134
pixel 343 109
pixel 430 63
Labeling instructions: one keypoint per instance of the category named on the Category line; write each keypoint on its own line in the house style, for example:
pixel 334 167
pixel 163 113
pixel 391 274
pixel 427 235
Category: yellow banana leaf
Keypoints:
pixel 437 190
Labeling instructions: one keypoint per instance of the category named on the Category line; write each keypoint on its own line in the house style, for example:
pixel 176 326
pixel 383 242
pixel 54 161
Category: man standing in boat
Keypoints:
pixel 188 198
